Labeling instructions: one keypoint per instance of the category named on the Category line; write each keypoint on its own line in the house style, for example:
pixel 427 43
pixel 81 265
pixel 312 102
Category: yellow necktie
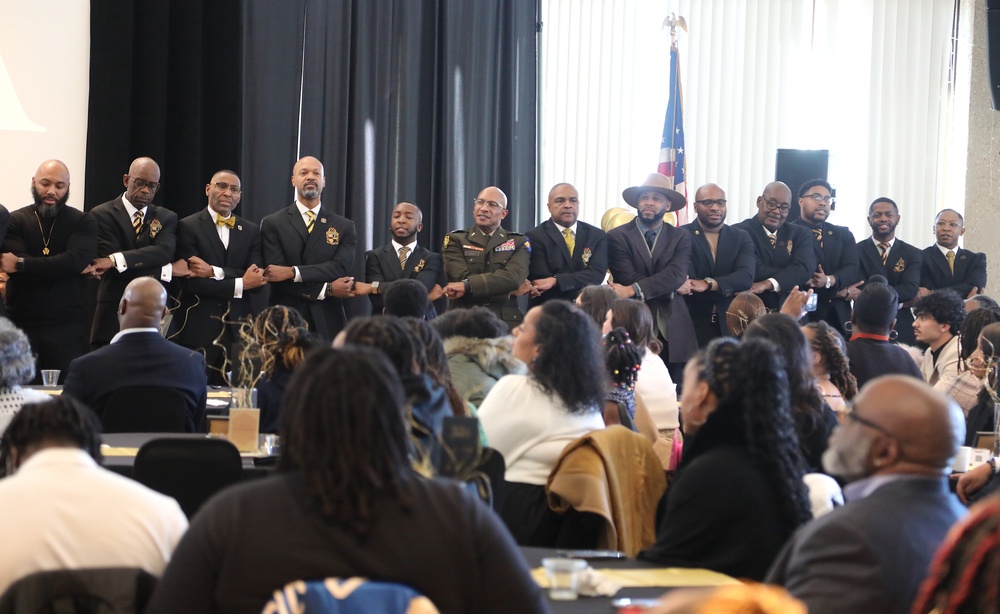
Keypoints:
pixel 819 235
pixel 228 222
pixel 403 253
pixel 312 221
pixel 137 222
pixel 570 240
pixel 951 260
pixel 884 248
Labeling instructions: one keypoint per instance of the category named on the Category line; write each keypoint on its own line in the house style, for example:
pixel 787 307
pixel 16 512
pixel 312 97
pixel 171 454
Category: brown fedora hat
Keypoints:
pixel 656 183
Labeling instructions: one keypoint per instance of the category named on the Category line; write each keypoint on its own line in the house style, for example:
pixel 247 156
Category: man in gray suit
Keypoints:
pixel 871 555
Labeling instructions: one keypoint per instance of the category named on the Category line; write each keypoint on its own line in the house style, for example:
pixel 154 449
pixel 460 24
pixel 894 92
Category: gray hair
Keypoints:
pixel 17 363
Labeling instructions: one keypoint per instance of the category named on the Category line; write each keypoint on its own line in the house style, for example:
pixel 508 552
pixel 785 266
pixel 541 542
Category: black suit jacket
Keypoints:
pixel 790 262
pixel 422 264
pixel 144 255
pixel 204 303
pixel 970 271
pixel 550 257
pixel 322 256
pixel 733 269
pixel 659 275
pixel 902 270
pixel 838 255
pixel 140 359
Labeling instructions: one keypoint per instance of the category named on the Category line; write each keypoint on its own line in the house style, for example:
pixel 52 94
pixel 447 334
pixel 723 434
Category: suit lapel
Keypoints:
pixel 961 263
pixel 416 255
pixel 207 227
pixel 296 222
pixel 125 222
pixel 702 251
pixel 639 242
pixel 938 260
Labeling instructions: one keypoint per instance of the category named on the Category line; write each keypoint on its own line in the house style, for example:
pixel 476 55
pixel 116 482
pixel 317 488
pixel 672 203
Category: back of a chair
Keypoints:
pixel 492 465
pixel 142 409
pixel 190 469
pixel 348 596
pixel 118 590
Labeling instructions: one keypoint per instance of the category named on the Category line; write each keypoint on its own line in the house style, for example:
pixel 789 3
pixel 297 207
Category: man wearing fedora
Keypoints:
pixel 786 253
pixel 649 261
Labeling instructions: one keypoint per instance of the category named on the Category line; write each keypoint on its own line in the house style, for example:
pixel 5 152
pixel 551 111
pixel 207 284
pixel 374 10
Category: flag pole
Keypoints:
pixel 672 159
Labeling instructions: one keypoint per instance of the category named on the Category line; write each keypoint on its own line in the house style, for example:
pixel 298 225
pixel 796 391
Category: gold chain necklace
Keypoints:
pixel 45 240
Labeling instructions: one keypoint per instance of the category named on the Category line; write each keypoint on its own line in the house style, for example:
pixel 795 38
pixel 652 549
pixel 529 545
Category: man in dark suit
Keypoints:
pixel 650 260
pixel 139 356
pixel 135 238
pixel 722 264
pixel 837 253
pixel 402 258
pixel 47 247
pixel 486 264
pixel 309 251
pixel 566 254
pixel 222 253
pixel 946 265
pixel 872 554
pixel 899 262
pixel 785 253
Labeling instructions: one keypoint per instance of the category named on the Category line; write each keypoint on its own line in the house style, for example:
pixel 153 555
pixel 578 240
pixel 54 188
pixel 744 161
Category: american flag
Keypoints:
pixel 672 145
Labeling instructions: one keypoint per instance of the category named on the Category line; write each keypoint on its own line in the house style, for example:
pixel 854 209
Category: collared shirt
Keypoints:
pixel 856 491
pixel 891 242
pixel 224 231
pixel 398 246
pixel 305 220
pixel 129 331
pixel 643 230
pixel 166 272
pixel 562 228
pixel 945 250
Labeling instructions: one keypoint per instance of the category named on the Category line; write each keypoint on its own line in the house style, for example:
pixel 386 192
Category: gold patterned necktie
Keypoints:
pixel 773 238
pixel 403 253
pixel 228 222
pixel 570 240
pixel 137 222
pixel 884 248
pixel 951 260
pixel 312 221
pixel 819 235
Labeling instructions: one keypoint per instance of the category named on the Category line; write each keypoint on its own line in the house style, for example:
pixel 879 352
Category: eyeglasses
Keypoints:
pixel 773 204
pixel 491 204
pixel 223 186
pixel 141 183
pixel 856 418
pixel 819 197
pixel 708 203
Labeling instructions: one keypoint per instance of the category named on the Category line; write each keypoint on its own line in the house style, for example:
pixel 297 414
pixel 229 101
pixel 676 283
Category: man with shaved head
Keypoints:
pixel 946 265
pixel 894 450
pixel 48 245
pixel 139 356
pixel 786 257
pixel 135 238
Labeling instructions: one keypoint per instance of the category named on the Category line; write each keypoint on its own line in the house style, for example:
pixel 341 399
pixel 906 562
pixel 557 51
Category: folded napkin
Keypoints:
pixel 602 580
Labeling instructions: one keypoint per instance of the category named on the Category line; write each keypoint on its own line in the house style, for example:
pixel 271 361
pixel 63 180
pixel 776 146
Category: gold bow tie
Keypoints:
pixel 228 222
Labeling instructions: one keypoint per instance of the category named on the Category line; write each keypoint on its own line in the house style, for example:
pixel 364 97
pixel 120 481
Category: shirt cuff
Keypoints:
pixel 219 273
pixel 774 282
pixel 238 290
pixel 638 292
pixel 119 259
pixel 166 272
pixel 322 292
pixel 298 276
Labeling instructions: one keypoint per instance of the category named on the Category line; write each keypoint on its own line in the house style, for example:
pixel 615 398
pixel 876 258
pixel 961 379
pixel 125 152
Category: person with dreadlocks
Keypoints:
pixel 345 503
pixel 830 366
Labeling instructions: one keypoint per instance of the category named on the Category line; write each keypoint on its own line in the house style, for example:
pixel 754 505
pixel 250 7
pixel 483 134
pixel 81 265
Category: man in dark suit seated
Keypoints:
pixel 139 356
pixel 722 264
pixel 946 265
pixel 871 555
pixel 222 254
pixel 402 258
pixel 785 254
pixel 566 254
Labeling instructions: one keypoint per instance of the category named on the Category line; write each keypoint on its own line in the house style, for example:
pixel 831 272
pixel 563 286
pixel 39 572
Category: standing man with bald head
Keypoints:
pixel 567 255
pixel 785 253
pixel 48 245
pixel 135 238
pixel 309 251
pixel 486 264
pixel 894 450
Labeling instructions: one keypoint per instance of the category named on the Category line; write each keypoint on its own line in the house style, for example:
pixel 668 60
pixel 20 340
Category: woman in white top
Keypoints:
pixel 17 367
pixel 531 418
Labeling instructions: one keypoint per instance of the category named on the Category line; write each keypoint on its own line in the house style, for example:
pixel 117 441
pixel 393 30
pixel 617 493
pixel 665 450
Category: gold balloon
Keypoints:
pixel 618 216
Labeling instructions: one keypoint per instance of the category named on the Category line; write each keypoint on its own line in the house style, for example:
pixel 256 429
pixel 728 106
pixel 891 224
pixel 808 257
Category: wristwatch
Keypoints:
pixel 712 284
pixel 829 281
pixel 375 285
pixel 20 264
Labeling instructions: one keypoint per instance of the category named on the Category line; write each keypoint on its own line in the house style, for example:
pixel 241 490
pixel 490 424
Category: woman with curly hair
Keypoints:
pixel 738 494
pixel 830 366
pixel 531 418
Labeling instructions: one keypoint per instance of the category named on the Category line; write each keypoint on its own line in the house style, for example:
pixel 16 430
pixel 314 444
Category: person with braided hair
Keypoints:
pixel 830 365
pixel 967 386
pixel 738 494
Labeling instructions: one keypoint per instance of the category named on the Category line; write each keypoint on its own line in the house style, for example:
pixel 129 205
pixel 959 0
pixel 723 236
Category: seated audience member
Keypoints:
pixel 61 510
pixel 623 361
pixel 937 321
pixel 814 420
pixel 531 418
pixel 595 302
pixel 17 367
pixel 279 338
pixel 979 301
pixel 478 348
pixel 830 365
pixel 870 350
pixel 745 308
pixel 965 389
pixel 344 503
pixel 984 363
pixel 894 451
pixel 405 298
pixel 139 356
pixel 738 494
pixel 427 402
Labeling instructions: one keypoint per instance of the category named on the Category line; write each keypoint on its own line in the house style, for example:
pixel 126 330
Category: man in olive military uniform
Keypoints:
pixel 485 264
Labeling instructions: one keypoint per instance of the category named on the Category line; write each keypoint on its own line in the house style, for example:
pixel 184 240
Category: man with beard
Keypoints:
pixel 309 251
pixel 895 452
pixel 899 262
pixel 722 264
pixel 650 260
pixel 402 258
pixel 135 238
pixel 948 266
pixel 566 254
pixel 46 248
pixel 222 253
pixel 785 254
pixel 837 252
